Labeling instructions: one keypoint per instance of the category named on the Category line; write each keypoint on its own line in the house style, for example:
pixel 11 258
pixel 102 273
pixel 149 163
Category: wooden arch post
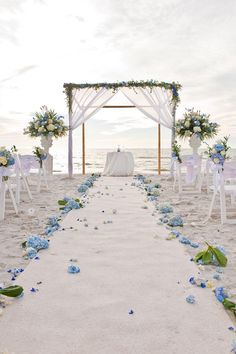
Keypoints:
pixel 159 149
pixel 83 149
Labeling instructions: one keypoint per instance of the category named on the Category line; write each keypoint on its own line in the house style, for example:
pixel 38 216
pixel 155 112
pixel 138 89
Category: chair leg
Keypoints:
pixel 27 186
pixel 12 197
pixel 2 201
pixel 39 180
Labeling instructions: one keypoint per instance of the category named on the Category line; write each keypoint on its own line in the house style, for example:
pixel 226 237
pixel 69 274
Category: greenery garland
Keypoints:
pixel 174 87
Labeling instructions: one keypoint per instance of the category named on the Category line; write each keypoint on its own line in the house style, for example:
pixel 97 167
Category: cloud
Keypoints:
pixel 19 72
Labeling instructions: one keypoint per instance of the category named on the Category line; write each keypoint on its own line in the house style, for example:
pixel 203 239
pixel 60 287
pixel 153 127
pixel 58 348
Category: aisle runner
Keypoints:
pixel 129 296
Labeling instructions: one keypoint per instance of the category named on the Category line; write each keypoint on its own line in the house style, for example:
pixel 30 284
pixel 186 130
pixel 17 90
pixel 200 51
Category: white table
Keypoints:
pixel 119 164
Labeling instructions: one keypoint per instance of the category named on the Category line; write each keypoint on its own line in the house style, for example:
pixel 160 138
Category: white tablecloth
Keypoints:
pixel 119 164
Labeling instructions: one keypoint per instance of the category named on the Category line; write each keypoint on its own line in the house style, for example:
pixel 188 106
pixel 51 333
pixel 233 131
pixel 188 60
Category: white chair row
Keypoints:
pixel 194 172
pixel 14 179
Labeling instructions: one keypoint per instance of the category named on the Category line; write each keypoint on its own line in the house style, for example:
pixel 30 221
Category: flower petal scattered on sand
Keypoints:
pixel 190 299
pixel 73 269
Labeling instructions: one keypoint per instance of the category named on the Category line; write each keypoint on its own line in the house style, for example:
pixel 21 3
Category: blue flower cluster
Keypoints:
pixel 190 299
pixel 165 209
pixel 186 241
pixel 31 252
pixel 52 225
pixel 73 269
pixel 15 272
pixel 176 221
pixel 220 293
pixel 37 242
pixel 87 183
pixel 199 282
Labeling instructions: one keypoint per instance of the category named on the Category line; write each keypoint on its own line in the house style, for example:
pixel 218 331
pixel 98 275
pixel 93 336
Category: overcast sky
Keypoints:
pixel 45 43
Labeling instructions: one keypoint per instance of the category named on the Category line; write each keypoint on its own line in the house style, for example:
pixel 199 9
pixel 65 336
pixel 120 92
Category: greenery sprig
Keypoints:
pixel 210 255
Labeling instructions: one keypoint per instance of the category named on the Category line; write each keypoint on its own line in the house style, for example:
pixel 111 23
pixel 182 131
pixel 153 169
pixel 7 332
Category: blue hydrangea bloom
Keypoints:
pixel 176 221
pixel 37 242
pixel 190 299
pixel 220 293
pixel 82 188
pixel 219 147
pixel 31 252
pixel 165 209
pixel 185 240
pixel 73 269
pixel 194 244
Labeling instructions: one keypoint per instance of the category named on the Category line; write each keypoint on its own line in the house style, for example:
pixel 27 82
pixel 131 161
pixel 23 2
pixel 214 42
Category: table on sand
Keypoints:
pixel 126 264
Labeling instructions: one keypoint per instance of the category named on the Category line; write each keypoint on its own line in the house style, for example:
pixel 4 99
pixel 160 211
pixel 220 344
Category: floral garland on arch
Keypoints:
pixel 132 84
pixel 219 152
pixel 46 123
pixel 195 122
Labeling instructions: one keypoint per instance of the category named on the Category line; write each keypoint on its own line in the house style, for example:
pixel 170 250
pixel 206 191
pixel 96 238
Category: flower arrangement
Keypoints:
pixel 46 123
pixel 40 155
pixel 195 122
pixel 176 148
pixel 218 153
pixel 6 158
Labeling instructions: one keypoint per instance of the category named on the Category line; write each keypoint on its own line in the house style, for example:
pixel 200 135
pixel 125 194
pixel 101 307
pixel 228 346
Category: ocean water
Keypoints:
pixel 145 160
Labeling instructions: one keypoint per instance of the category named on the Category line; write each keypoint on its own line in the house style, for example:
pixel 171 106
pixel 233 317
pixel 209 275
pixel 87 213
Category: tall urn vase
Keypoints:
pixel 46 143
pixel 195 143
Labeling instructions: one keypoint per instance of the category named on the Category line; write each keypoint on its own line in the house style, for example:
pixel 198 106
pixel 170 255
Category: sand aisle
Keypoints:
pixel 126 264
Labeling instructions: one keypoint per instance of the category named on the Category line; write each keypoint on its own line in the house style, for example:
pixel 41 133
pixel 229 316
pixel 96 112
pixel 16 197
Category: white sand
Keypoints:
pixel 15 229
pixel 125 265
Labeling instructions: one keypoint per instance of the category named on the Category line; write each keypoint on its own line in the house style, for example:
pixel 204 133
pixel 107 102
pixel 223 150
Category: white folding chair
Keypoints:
pixel 30 164
pixel 222 174
pixel 187 174
pixel 6 186
pixel 20 177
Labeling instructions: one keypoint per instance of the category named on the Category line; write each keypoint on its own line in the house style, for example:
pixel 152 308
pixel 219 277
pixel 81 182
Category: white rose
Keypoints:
pixel 223 153
pixel 50 127
pixel 216 160
pixel 196 129
pixel 41 129
pixel 50 121
pixel 187 124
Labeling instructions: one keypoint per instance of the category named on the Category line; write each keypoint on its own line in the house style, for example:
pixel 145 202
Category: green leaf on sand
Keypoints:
pixel 12 291
pixel 210 254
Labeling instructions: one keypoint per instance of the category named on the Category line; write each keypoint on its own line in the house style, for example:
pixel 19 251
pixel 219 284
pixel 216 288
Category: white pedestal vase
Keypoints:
pixel 46 143
pixel 195 143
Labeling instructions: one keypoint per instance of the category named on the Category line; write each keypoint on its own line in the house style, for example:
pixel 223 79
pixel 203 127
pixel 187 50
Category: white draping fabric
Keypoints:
pixel 154 103
pixel 87 102
pixel 119 164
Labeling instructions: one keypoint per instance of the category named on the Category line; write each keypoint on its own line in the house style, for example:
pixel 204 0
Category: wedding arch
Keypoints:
pixel 156 100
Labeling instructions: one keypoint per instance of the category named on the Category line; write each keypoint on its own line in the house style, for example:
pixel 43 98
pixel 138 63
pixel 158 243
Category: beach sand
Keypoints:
pixel 126 264
pixel 15 229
